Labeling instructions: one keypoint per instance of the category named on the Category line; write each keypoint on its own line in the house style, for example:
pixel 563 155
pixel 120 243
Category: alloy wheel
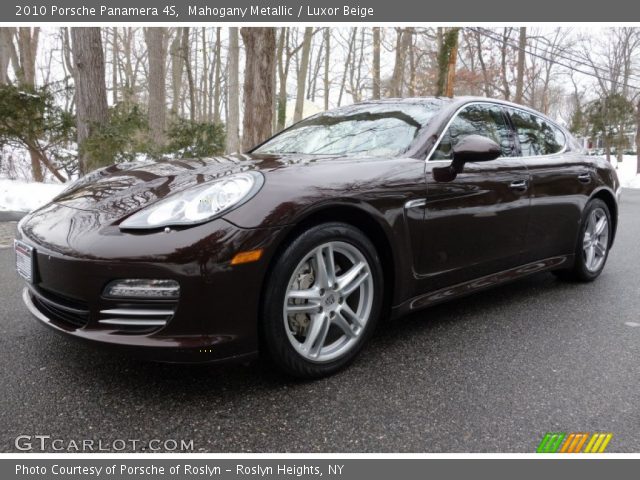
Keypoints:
pixel 596 240
pixel 328 301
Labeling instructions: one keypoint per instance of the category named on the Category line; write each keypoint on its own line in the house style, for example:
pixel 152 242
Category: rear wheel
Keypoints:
pixel 322 300
pixel 592 248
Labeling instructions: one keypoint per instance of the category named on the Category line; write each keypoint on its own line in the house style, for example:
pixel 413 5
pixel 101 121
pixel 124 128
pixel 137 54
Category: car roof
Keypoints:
pixel 452 101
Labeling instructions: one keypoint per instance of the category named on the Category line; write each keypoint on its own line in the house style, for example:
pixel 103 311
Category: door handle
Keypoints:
pixel 520 185
pixel 584 177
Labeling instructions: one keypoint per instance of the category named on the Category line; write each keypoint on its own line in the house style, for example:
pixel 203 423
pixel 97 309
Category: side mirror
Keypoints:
pixel 472 148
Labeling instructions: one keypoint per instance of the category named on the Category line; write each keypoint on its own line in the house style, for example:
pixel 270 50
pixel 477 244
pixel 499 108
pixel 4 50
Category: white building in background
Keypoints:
pixel 596 142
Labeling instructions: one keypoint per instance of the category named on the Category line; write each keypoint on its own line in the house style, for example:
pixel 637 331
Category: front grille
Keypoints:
pixel 137 318
pixel 60 310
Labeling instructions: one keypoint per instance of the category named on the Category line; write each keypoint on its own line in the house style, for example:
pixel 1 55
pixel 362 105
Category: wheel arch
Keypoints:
pixel 356 216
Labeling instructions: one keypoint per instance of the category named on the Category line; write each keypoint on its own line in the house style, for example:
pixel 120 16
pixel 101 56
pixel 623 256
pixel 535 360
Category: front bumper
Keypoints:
pixel 181 349
pixel 215 319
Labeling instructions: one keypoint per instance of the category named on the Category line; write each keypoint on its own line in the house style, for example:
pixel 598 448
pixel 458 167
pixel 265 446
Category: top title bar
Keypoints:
pixel 411 11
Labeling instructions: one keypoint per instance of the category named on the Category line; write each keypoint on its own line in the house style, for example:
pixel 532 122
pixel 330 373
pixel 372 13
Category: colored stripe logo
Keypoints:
pixel 574 443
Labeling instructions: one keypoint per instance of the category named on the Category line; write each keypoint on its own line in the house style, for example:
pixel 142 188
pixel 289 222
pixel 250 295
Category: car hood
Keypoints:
pixel 122 189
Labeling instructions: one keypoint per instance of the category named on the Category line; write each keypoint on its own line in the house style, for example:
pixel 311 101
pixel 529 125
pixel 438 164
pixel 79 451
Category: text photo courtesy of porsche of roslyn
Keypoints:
pixel 222 231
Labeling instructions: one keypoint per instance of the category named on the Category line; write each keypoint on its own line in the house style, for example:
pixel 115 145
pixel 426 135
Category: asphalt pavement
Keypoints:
pixel 489 373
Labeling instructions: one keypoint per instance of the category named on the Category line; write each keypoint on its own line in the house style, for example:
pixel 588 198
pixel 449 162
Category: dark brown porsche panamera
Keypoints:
pixel 298 247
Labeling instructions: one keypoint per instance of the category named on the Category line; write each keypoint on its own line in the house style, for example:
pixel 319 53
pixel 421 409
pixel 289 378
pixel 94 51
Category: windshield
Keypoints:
pixel 375 130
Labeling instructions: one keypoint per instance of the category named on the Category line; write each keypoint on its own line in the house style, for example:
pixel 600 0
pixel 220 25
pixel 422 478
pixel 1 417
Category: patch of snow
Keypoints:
pixel 627 171
pixel 19 196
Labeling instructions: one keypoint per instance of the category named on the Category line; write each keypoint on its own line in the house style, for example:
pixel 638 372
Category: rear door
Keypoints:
pixel 560 185
pixel 474 225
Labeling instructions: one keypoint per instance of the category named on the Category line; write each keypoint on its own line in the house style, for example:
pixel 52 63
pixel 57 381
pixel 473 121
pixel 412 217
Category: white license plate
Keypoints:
pixel 24 260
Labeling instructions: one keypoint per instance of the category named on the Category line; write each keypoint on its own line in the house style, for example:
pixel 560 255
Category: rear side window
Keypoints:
pixel 536 135
pixel 477 119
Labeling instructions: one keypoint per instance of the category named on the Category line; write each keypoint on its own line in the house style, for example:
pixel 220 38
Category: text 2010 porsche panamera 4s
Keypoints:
pixel 298 247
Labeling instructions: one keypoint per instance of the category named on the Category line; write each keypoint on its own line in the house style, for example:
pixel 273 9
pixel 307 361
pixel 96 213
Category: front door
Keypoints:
pixel 476 224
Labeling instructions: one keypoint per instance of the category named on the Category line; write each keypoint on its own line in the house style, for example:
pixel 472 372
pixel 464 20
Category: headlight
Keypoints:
pixel 197 204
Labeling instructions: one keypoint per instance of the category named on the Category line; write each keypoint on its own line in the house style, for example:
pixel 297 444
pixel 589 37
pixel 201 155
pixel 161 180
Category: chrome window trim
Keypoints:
pixel 502 106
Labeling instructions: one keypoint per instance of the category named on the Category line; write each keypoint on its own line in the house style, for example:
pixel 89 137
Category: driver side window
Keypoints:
pixel 477 119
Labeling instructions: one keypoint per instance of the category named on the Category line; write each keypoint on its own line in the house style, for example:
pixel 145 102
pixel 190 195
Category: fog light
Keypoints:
pixel 143 288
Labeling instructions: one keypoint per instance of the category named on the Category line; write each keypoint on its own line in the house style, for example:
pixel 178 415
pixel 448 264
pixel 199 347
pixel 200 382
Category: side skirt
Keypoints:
pixel 479 284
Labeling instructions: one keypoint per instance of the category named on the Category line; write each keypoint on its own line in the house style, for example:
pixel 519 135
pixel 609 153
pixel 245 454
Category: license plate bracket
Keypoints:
pixel 25 257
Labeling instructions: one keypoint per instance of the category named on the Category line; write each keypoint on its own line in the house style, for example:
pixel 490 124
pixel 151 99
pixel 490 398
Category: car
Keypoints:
pixel 296 249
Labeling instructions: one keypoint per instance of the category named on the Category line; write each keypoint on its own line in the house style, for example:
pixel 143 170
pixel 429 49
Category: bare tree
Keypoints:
pixel 376 63
pixel 187 62
pixel 302 73
pixel 233 122
pixel 7 50
pixel 611 59
pixel 504 56
pixel 403 43
pixel 155 39
pixel 520 68
pixel 260 46
pixel 285 53
pixel 177 68
pixel 638 136
pixel 452 58
pixel 327 54
pixel 91 91
pixel 216 76
pixel 24 64
pixel 348 60
pixel 447 57
pixel 483 66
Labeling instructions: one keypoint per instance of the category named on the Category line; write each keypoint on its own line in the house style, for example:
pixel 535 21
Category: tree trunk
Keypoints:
pixel 350 52
pixel 260 47
pixel 638 136
pixel 114 65
pixel 327 55
pixel 451 67
pixel 520 68
pixel 412 72
pixel 28 47
pixel 503 63
pixel 283 66
pixel 398 67
pixel 233 122
pixel 483 66
pixel 154 37
pixel 302 75
pixel 447 57
pixel 187 62
pixel 91 91
pixel 177 66
pixel 217 75
pixel 6 44
pixel 26 74
pixel 376 63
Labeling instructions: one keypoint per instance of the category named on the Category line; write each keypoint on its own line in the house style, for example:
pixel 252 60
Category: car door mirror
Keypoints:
pixel 472 148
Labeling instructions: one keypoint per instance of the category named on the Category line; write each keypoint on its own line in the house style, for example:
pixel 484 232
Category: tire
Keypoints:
pixel 315 324
pixel 585 268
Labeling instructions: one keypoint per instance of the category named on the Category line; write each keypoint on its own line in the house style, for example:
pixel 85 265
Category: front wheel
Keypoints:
pixel 593 244
pixel 322 300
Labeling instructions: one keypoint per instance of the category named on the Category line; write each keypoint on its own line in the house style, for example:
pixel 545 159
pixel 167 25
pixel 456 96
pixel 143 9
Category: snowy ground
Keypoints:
pixel 21 196
pixel 627 171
